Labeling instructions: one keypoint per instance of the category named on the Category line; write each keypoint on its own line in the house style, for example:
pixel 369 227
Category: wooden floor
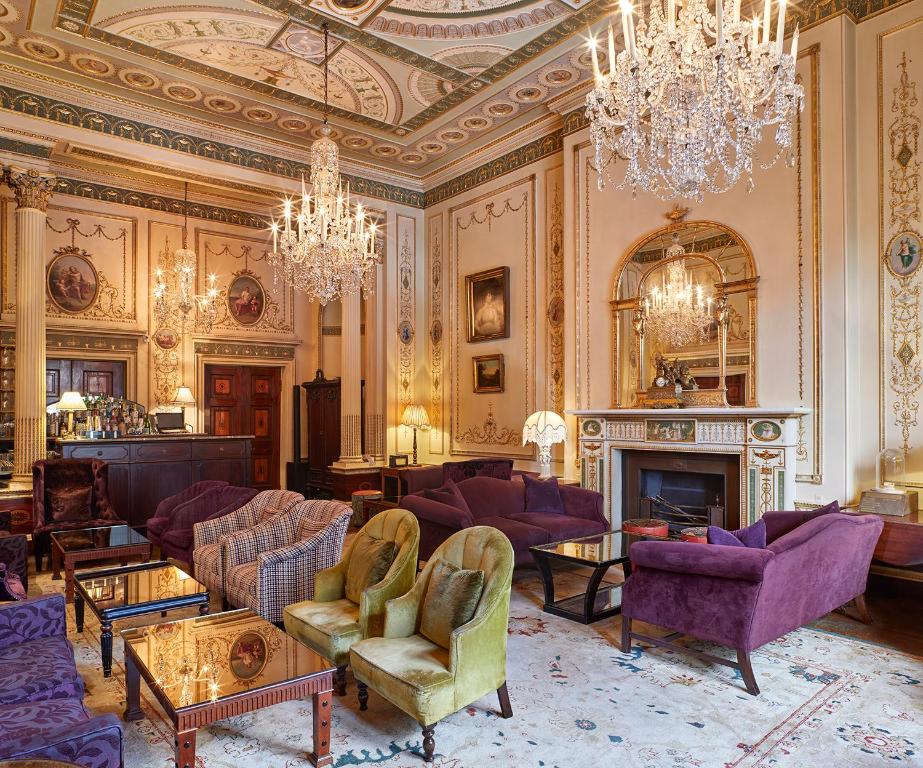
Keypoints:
pixel 897 616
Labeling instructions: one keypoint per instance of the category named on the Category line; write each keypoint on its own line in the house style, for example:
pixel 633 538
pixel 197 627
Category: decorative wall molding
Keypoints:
pixel 20 147
pixel 555 306
pixel 436 276
pixel 83 342
pixel 490 432
pixel 232 349
pixel 406 311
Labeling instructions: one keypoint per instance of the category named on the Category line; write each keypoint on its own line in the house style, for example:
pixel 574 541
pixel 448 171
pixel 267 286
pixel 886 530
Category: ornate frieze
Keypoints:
pixel 32 188
pixel 406 310
pixel 231 349
pixel 436 333
pixel 625 430
pixel 555 307
pixel 720 432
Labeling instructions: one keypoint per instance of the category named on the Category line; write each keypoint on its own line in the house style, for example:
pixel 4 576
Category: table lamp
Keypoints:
pixel 183 396
pixel 545 429
pixel 69 403
pixel 415 416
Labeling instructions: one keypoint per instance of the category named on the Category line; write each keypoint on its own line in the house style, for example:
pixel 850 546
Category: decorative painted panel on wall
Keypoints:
pixel 555 305
pixel 406 313
pixel 435 271
pixel 167 343
pixel 90 269
pixel 490 423
pixel 901 243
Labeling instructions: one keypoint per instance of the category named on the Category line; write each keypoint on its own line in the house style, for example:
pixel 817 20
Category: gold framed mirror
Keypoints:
pixel 683 306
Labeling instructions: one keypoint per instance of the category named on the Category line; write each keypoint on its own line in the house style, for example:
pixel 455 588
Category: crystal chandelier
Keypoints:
pixel 325 248
pixel 686 102
pixel 677 311
pixel 178 296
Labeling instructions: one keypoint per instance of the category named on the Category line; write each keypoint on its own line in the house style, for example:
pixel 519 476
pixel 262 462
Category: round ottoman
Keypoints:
pixel 358 500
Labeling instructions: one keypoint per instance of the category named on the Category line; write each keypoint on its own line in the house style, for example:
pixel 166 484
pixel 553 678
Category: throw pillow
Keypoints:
pixel 368 563
pixel 451 599
pixel 753 536
pixel 716 535
pixel 448 494
pixel 71 505
pixel 543 495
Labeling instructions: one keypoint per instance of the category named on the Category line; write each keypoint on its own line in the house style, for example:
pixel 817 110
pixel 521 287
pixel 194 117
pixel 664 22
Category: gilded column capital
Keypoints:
pixel 31 187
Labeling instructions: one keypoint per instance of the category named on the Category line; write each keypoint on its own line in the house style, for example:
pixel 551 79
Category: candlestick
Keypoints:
pixel 736 11
pixel 780 27
pixel 767 12
pixel 596 73
pixel 795 45
pixel 611 50
pixel 671 14
pixel 719 21
pixel 754 38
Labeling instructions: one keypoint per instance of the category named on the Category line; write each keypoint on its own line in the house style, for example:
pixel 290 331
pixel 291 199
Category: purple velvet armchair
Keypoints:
pixel 161 520
pixel 177 541
pixel 63 478
pixel 745 597
pixel 41 694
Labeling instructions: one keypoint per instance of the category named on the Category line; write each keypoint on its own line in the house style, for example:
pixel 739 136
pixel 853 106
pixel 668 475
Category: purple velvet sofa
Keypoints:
pixel 41 695
pixel 177 540
pixel 745 597
pixel 501 504
pixel 161 520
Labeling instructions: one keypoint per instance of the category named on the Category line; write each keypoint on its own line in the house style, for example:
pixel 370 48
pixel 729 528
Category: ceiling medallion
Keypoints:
pixel 322 246
pixel 686 102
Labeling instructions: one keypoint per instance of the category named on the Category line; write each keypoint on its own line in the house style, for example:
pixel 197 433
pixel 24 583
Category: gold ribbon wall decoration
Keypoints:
pixel 901 257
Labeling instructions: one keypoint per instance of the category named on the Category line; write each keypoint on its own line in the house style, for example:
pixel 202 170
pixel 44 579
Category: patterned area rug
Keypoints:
pixel 827 700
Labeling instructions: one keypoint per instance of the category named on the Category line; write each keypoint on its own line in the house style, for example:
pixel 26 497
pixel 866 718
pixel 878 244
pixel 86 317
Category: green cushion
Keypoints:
pixel 369 561
pixel 329 628
pixel 451 598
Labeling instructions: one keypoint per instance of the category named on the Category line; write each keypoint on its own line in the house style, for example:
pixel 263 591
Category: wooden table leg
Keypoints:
pixel 185 749
pixel 55 560
pixel 544 568
pixel 68 580
pixel 78 611
pixel 132 690
pixel 322 704
pixel 105 642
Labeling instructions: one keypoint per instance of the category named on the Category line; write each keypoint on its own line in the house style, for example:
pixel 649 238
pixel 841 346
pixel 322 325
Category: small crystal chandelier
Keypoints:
pixel 180 297
pixel 686 102
pixel 325 248
pixel 677 311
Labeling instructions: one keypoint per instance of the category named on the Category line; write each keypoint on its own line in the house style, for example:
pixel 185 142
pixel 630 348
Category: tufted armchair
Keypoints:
pixel 208 564
pixel 331 622
pixel 426 679
pixel 274 564
pixel 53 477
pixel 161 520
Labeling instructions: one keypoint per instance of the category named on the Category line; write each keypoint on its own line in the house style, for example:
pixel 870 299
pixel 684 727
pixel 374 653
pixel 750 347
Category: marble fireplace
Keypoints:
pixel 763 439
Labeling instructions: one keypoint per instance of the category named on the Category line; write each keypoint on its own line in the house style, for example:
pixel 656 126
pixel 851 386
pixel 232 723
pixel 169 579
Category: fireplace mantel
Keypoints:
pixel 765 438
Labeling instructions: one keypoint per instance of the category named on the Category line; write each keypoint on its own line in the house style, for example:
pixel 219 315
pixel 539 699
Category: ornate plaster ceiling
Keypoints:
pixel 412 81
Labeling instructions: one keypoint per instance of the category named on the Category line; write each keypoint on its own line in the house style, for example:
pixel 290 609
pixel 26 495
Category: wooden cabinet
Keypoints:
pixel 145 470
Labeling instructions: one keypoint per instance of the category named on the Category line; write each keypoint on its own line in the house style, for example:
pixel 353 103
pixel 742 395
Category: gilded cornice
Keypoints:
pixel 231 349
pixel 20 147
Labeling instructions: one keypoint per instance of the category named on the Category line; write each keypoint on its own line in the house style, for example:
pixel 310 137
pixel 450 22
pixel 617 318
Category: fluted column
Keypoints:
pixel 375 364
pixel 32 190
pixel 351 380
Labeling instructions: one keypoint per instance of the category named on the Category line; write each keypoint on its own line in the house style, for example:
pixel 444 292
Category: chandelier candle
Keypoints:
pixel 687 100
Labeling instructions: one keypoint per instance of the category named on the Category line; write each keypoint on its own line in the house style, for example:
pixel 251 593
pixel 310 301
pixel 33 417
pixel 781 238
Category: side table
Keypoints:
pixel 94 544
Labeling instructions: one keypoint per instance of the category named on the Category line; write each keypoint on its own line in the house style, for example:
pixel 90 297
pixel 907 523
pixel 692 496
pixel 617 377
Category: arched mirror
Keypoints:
pixel 684 319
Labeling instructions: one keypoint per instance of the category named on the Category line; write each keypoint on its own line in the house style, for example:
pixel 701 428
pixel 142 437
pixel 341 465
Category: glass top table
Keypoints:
pixel 599 552
pixel 208 668
pixel 99 543
pixel 134 590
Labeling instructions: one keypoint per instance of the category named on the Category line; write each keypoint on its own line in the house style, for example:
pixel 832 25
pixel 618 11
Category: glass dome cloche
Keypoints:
pixel 890 469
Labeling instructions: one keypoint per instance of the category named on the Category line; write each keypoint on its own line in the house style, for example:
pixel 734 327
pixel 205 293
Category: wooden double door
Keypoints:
pixel 245 400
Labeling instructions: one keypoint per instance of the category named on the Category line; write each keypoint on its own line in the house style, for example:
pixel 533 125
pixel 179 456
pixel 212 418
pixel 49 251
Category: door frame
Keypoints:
pixel 285 401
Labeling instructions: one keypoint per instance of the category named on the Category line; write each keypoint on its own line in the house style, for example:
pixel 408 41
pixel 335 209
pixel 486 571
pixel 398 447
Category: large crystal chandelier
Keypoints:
pixel 677 312
pixel 174 285
pixel 686 102
pixel 325 248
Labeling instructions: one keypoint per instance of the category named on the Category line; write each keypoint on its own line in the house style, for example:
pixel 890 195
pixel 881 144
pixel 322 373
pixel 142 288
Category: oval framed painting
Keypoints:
pixel 904 253
pixel 166 338
pixel 766 431
pixel 248 656
pixel 246 299
pixel 71 281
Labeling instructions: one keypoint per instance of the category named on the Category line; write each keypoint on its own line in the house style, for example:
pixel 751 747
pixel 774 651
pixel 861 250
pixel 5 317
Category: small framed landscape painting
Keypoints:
pixel 488 373
pixel 488 299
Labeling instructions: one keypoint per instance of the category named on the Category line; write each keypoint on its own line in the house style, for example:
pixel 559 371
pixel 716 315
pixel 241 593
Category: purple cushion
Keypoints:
pixel 38 670
pixel 543 495
pixel 448 494
pixel 521 534
pixel 722 537
pixel 753 536
pixel 780 523
pixel 560 527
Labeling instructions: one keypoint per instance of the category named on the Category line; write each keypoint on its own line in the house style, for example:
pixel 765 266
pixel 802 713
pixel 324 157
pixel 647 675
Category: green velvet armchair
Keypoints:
pixel 332 622
pixel 430 681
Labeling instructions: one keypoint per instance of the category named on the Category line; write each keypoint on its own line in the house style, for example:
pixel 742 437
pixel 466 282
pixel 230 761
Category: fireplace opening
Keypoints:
pixel 685 490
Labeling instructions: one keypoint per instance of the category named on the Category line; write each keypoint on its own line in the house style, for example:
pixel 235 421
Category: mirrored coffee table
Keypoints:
pixel 209 668
pixel 102 543
pixel 134 590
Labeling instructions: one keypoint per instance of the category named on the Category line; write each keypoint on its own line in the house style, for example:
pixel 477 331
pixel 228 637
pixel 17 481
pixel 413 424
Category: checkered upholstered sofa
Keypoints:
pixel 208 563
pixel 273 565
